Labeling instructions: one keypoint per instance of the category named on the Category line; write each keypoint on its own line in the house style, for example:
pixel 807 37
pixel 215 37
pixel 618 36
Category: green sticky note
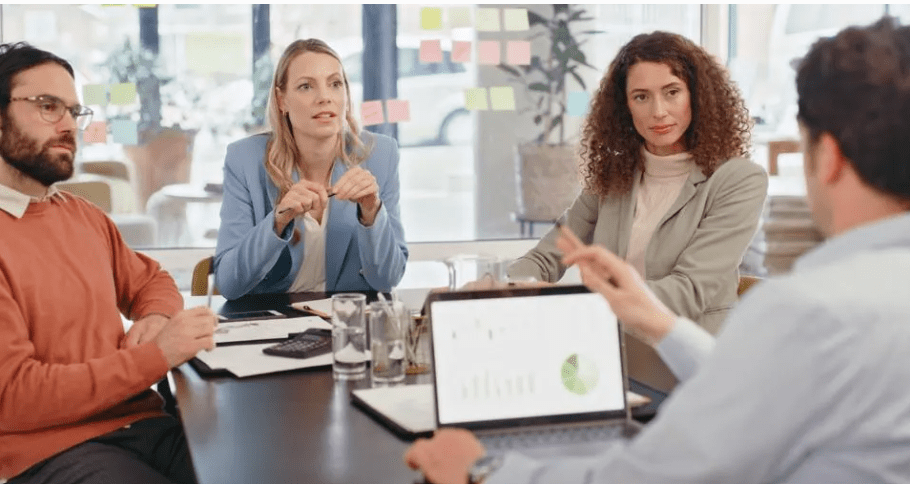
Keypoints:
pixel 515 19
pixel 431 18
pixel 502 98
pixel 94 94
pixel 488 20
pixel 459 17
pixel 123 93
pixel 475 99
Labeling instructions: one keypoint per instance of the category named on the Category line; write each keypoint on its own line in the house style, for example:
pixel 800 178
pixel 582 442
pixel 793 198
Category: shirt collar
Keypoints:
pixel 882 234
pixel 16 203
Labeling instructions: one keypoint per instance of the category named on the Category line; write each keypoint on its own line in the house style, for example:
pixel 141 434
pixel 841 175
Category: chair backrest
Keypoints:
pixel 95 191
pixel 745 283
pixel 110 168
pixel 200 285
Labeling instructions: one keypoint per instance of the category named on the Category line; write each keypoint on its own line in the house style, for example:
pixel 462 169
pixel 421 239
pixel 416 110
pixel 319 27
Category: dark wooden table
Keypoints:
pixel 297 426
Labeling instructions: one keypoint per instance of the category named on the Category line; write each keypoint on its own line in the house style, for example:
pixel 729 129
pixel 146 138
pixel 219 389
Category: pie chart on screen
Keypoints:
pixel 579 374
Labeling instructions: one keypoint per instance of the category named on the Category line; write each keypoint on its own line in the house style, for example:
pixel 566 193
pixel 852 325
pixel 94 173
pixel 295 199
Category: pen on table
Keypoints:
pixel 286 209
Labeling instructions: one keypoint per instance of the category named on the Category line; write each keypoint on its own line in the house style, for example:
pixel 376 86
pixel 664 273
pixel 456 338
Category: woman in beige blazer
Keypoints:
pixel 667 185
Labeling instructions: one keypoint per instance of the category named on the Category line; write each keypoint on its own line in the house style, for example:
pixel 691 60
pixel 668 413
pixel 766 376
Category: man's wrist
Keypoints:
pixel 484 467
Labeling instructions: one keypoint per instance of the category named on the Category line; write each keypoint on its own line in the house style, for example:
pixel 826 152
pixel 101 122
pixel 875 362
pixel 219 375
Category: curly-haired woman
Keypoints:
pixel 667 185
pixel 280 230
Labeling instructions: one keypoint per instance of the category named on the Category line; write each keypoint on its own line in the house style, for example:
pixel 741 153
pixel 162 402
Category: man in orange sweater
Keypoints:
pixel 75 398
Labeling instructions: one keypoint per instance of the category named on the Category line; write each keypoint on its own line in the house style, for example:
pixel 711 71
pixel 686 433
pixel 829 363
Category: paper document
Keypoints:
pixel 265 329
pixel 321 305
pixel 249 360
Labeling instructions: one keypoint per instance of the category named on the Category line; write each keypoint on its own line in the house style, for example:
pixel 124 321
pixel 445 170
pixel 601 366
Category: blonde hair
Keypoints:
pixel 281 150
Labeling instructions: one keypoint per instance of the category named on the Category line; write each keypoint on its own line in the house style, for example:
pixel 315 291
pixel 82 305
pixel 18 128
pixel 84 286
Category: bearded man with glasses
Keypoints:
pixel 76 404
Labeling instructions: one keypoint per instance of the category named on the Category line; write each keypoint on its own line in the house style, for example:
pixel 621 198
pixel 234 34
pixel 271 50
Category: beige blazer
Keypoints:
pixel 691 261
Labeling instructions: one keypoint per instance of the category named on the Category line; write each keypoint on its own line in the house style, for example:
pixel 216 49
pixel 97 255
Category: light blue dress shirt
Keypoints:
pixel 808 383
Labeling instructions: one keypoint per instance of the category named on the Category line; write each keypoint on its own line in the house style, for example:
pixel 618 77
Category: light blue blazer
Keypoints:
pixel 251 258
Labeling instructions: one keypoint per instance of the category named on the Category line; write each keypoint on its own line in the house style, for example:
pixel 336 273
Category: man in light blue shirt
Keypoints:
pixel 808 383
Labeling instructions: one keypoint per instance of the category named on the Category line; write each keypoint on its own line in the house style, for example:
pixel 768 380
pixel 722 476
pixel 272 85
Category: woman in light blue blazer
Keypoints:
pixel 312 205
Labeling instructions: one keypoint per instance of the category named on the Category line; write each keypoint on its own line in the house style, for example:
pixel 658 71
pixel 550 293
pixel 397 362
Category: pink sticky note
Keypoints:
pixel 399 110
pixel 96 132
pixel 461 51
pixel 371 113
pixel 488 51
pixel 518 52
pixel 430 51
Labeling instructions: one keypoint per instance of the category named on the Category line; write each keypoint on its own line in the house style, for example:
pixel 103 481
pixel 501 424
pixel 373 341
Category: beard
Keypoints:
pixel 23 153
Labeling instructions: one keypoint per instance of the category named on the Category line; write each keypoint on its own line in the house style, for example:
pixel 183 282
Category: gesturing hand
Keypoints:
pixel 446 458
pixel 185 334
pixel 303 197
pixel 359 185
pixel 631 299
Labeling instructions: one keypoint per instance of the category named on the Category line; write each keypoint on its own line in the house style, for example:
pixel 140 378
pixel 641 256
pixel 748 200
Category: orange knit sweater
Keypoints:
pixel 65 277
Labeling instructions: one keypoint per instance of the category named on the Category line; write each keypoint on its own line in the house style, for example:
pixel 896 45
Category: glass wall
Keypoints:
pixel 163 121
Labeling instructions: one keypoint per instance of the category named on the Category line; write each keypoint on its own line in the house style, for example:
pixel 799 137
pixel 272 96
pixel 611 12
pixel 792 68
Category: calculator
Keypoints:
pixel 310 343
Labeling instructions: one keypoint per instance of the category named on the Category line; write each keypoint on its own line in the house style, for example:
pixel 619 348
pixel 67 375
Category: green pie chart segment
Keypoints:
pixel 579 374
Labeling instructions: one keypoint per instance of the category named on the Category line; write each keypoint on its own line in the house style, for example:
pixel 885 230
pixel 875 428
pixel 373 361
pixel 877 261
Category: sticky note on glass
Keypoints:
pixel 96 132
pixel 461 51
pixel 518 52
pixel 94 94
pixel 430 51
pixel 371 113
pixel 515 19
pixel 398 110
pixel 577 103
pixel 488 20
pixel 431 18
pixel 488 52
pixel 125 132
pixel 502 98
pixel 475 99
pixel 459 17
pixel 123 93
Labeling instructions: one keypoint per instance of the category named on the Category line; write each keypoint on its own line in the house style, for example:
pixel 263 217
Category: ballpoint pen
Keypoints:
pixel 286 209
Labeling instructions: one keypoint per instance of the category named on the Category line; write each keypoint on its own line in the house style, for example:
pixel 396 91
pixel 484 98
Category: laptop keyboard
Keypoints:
pixel 550 436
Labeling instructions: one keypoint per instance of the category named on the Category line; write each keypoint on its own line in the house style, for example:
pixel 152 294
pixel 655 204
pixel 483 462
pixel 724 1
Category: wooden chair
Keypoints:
pixel 109 168
pixel 200 284
pixel 745 283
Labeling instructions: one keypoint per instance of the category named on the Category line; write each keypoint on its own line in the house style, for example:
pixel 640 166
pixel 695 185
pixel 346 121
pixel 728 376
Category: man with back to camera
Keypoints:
pixel 75 398
pixel 808 381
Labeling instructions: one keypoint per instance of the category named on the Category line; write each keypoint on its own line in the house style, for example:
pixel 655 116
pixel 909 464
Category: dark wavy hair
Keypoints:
pixel 18 57
pixel 611 147
pixel 855 86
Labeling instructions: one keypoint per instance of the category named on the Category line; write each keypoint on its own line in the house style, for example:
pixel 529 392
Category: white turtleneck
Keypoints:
pixel 658 188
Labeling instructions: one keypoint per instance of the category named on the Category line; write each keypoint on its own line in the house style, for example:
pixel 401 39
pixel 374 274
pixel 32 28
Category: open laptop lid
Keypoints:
pixel 525 356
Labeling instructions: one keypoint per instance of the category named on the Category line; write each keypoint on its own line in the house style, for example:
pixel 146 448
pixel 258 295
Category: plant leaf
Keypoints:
pixel 560 8
pixel 539 86
pixel 534 19
pixel 538 119
pixel 578 79
pixel 510 70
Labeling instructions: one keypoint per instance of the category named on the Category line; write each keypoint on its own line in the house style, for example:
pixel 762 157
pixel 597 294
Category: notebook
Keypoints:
pixel 538 370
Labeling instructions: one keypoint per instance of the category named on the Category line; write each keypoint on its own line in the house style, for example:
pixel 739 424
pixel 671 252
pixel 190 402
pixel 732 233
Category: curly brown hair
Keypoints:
pixel 611 147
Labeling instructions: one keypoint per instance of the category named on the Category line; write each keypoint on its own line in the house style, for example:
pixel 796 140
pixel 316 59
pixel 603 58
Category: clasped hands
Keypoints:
pixel 447 457
pixel 357 185
pixel 179 337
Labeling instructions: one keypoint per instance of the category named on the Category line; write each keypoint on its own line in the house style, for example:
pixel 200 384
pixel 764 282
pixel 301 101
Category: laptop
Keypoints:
pixel 538 370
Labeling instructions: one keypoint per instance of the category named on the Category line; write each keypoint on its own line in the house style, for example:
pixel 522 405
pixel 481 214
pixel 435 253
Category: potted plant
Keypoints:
pixel 547 167
pixel 165 143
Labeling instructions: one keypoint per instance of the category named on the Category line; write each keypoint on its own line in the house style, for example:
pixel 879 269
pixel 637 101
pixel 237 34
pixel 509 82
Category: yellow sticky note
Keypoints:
pixel 459 17
pixel 431 18
pixel 502 98
pixel 488 20
pixel 123 93
pixel 475 99
pixel 515 19
pixel 209 53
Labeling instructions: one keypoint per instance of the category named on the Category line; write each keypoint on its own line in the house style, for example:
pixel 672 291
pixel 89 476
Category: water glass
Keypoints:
pixel 475 271
pixel 417 351
pixel 349 359
pixel 388 330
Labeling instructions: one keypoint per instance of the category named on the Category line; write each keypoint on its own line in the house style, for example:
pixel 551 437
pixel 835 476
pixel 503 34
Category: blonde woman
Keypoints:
pixel 313 204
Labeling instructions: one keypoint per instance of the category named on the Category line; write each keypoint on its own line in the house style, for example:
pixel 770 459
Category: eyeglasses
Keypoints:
pixel 53 108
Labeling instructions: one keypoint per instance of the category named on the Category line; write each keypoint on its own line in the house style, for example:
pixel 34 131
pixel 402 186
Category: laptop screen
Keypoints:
pixel 525 354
